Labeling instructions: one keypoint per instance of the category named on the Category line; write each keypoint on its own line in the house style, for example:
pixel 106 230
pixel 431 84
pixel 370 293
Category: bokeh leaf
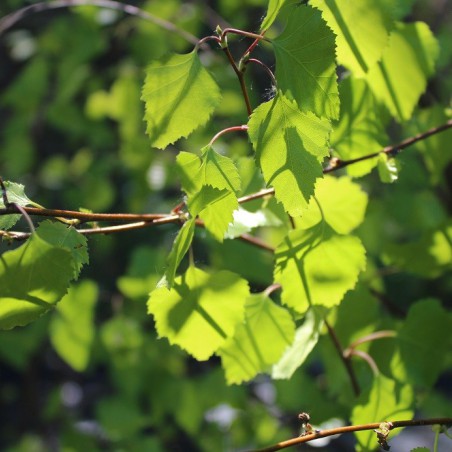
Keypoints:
pixel 413 50
pixel 387 169
pixel 362 30
pixel 72 328
pixel 422 348
pixel 360 129
pixel 387 401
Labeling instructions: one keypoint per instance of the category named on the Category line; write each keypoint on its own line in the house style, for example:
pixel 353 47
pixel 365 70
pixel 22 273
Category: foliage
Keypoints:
pixel 241 258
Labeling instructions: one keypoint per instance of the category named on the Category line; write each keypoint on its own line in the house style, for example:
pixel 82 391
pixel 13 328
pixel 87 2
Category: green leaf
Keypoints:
pixel 436 151
pixel 62 236
pixel 290 146
pixel 362 30
pixel 273 9
pixel 201 311
pixel 259 341
pixel 317 267
pixel 180 247
pixel 305 62
pixel 387 169
pixel 72 325
pixel 387 401
pixel 423 343
pixel 401 77
pixel 339 202
pixel 306 338
pixel 179 95
pixel 211 183
pixel 211 169
pixel 429 256
pixel 33 278
pixel 16 194
pixel 245 221
pixel 215 207
pixel 360 129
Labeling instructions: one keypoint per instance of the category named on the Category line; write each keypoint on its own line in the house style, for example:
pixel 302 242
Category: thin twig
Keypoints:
pixel 354 428
pixel 337 164
pixel 240 77
pixel 366 357
pixel 391 150
pixel 11 19
pixel 346 361
pixel 228 130
pixel 272 288
pixel 369 338
pixel 86 216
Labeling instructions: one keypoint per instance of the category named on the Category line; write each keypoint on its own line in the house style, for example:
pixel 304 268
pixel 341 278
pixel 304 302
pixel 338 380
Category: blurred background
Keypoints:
pixel 71 131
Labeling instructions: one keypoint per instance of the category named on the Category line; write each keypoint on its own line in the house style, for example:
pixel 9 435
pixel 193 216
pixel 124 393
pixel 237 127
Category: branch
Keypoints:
pixel 392 150
pixel 337 164
pixel 85 216
pixel 369 338
pixel 354 428
pixel 345 360
pixel 11 19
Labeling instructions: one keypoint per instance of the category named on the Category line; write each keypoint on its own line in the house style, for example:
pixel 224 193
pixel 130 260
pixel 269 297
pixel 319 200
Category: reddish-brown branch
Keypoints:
pixel 228 130
pixel 391 150
pixel 345 360
pixel 354 428
pixel 240 77
pixel 369 338
pixel 85 216
pixel 337 164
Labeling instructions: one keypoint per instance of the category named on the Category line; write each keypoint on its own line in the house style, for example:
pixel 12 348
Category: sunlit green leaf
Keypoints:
pixel 423 342
pixel 245 221
pixel 272 12
pixel 436 151
pixel 33 278
pixel 401 77
pixel 317 267
pixel 289 147
pixel 15 194
pixel 430 255
pixel 66 237
pixel 362 30
pixel 180 247
pixel 387 401
pixel 72 325
pixel 339 202
pixel 211 183
pixel 387 169
pixel 360 129
pixel 306 337
pixel 259 341
pixel 215 207
pixel 305 62
pixel 201 311
pixel 180 95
